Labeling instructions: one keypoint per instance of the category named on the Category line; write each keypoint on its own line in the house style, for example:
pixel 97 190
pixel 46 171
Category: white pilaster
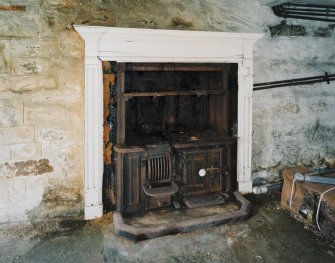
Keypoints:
pixel 244 125
pixel 93 131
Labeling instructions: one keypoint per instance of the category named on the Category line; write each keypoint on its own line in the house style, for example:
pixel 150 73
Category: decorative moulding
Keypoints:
pixel 152 45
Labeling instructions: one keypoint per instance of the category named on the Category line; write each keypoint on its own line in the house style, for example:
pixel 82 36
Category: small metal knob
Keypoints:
pixel 202 172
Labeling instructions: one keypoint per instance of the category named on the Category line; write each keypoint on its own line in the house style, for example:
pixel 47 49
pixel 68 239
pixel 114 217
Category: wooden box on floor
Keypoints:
pixel 306 197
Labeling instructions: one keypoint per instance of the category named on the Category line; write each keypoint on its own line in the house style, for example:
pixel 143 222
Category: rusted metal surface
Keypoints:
pixel 13 8
pixel 109 79
pixel 204 200
pixel 109 132
pixel 161 191
pixel 192 162
pixel 173 121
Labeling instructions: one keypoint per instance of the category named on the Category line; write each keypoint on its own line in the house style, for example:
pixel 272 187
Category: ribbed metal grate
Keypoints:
pixel 159 169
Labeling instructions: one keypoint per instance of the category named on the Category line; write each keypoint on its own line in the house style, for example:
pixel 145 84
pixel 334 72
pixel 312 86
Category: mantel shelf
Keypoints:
pixel 174 93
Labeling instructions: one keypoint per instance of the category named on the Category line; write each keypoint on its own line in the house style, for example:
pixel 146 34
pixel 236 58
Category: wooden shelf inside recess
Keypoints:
pixel 173 93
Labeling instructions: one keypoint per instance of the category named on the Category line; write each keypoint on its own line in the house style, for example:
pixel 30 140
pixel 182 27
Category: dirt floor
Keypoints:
pixel 270 235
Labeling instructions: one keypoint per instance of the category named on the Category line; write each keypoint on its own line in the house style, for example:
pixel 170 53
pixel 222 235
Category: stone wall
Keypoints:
pixel 294 125
pixel 41 112
pixel 42 91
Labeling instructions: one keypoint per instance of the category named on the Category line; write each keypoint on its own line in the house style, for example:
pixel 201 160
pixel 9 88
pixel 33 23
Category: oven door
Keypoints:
pixel 202 171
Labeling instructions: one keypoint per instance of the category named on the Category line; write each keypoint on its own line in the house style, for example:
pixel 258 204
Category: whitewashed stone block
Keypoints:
pixel 73 63
pixel 25 151
pixel 4 153
pixel 288 107
pixel 34 191
pixel 50 135
pixel 67 83
pixel 19 196
pixel 71 44
pixel 4 57
pixel 13 199
pixel 19 84
pixel 4 216
pixel 44 115
pixel 4 188
pixel 75 120
pixel 67 140
pixel 20 24
pixel 67 161
pixel 319 106
pixel 11 113
pixel 23 48
pixel 32 65
pixel 14 135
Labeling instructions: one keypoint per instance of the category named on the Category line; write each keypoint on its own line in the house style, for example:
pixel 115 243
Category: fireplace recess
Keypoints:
pixel 176 141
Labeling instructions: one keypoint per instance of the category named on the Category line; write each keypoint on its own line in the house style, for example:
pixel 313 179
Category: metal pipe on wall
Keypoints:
pixel 314 178
pixel 294 82
pixel 316 12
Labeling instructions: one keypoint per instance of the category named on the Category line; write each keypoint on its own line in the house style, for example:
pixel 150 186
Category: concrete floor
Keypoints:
pixel 270 235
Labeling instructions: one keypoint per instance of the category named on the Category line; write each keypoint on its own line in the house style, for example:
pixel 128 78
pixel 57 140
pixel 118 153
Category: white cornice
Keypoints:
pixel 155 45
pixel 134 34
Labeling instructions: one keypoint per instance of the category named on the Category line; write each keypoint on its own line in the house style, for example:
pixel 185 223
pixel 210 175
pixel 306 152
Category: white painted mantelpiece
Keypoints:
pixel 151 45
